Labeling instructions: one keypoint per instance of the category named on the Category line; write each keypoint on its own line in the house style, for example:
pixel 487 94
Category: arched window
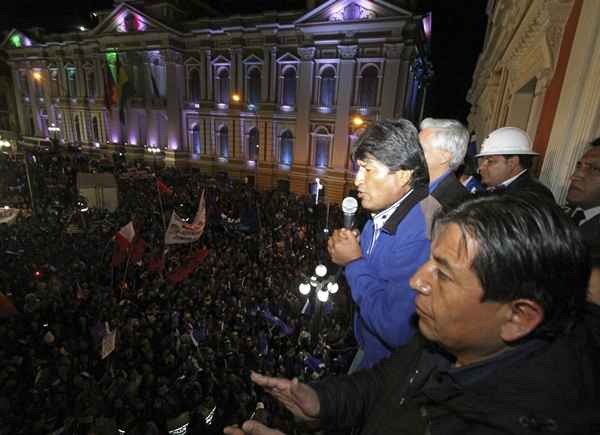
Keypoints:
pixel 194 85
pixel 54 87
pixel 95 129
pixel 90 82
pixel 223 141
pixel 289 87
pixel 254 86
pixel 322 142
pixel 286 147
pixel 327 90
pixel 253 138
pixel 77 129
pixel 196 145
pixel 223 87
pixel 369 82
pixel 72 81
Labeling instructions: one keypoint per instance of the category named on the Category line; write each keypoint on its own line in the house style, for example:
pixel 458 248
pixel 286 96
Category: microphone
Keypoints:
pixel 349 207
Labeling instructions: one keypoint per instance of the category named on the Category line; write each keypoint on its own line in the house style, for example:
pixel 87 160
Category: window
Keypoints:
pixel 322 151
pixel 327 90
pixel 194 85
pixel 77 129
pixel 369 82
pixel 289 87
pixel 72 81
pixel 223 86
pixel 286 148
pixel 254 86
pixel 223 142
pixel 196 145
pixel 95 129
pixel 23 84
pixel 54 86
pixel 90 83
pixel 253 138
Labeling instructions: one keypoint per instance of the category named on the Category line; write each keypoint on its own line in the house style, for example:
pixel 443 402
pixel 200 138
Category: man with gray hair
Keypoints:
pixel 444 143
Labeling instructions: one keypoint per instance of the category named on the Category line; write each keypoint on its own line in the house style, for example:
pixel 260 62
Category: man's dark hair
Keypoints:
pixel 526 248
pixel 595 142
pixel 395 144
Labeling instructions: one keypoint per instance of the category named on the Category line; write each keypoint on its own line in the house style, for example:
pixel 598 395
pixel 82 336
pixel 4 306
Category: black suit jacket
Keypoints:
pixel 450 192
pixel 591 232
pixel 528 185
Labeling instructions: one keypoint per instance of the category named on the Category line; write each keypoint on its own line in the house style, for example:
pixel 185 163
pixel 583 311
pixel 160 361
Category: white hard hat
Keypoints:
pixel 507 140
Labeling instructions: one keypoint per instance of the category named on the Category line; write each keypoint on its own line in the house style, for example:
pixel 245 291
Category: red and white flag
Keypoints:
pixel 125 236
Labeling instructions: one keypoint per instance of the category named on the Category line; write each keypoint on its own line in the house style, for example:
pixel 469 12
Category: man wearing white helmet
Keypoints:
pixel 505 161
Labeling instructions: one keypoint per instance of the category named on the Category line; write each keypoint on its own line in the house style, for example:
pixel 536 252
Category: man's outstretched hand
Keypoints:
pixel 300 399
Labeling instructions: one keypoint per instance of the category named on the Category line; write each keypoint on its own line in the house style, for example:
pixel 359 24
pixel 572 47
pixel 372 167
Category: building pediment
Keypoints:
pixel 253 60
pixel 16 39
pixel 127 19
pixel 352 10
pixel 288 58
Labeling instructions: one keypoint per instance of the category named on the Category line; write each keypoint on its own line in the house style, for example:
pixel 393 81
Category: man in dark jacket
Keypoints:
pixel 500 349
pixel 444 143
pixel 505 161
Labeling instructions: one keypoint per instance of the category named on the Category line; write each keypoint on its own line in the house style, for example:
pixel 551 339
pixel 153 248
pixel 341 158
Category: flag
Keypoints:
pixel 163 187
pixel 137 251
pixel 190 265
pixel 109 88
pixel 180 231
pixel 157 263
pixel 123 89
pixel 125 236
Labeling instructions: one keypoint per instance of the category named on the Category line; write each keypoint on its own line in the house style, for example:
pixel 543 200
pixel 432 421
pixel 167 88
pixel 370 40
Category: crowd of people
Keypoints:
pixel 462 306
pixel 184 348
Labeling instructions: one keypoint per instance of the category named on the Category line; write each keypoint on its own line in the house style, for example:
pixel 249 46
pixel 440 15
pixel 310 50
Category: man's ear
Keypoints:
pixel 523 317
pixel 403 177
pixel 515 162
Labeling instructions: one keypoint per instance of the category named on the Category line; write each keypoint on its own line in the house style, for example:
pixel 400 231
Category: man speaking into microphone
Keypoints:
pixel 392 180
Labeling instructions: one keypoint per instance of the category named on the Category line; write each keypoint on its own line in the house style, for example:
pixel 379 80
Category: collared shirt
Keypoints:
pixel 590 213
pixel 505 183
pixel 381 218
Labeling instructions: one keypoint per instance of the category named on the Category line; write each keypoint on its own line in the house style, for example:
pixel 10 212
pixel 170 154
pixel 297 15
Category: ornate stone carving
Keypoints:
pixel 307 53
pixel 347 51
pixel 352 12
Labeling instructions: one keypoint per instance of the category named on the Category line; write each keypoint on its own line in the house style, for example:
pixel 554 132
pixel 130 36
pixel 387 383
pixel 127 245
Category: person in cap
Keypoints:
pixel 501 348
pixel 505 161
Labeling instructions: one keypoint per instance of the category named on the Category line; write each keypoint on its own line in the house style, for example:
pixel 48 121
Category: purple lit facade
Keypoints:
pixel 298 86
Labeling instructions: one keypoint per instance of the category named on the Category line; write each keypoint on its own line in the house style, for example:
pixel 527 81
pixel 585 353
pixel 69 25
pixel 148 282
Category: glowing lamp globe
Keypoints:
pixel 321 270
pixel 323 295
pixel 333 287
pixel 304 288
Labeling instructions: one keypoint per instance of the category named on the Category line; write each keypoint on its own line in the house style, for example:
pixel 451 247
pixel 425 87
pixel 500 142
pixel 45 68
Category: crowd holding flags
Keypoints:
pixel 129 246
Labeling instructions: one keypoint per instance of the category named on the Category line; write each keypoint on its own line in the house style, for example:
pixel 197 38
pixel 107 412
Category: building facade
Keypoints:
pixel 269 96
pixel 539 71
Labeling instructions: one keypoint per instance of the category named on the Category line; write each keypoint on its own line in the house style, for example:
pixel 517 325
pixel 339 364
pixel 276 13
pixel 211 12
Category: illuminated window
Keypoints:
pixel 194 85
pixel 223 86
pixel 254 86
pixel 223 141
pixel 253 139
pixel 286 147
pixel 369 83
pixel 327 89
pixel 196 144
pixel 289 87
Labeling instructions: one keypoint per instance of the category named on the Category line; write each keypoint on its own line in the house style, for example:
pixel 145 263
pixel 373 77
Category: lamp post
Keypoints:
pixel 322 286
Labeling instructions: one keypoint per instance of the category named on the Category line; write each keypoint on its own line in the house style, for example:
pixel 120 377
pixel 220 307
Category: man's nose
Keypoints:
pixel 419 280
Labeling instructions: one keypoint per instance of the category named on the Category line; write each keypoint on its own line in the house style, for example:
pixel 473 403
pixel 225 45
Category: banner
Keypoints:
pixel 179 231
pixel 8 215
pixel 108 344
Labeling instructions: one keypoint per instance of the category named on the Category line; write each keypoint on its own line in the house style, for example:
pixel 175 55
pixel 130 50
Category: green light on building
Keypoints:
pixel 16 40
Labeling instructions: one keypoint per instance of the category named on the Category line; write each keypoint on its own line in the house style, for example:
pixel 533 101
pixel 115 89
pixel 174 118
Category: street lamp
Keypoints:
pixel 236 97
pixel 322 286
pixel 357 121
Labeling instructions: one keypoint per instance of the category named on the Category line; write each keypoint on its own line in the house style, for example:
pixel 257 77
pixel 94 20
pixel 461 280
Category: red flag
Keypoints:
pixel 163 187
pixel 192 263
pixel 137 251
pixel 125 236
pixel 156 263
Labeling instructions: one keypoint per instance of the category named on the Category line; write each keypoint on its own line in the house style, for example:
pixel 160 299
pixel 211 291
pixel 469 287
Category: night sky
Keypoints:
pixel 458 31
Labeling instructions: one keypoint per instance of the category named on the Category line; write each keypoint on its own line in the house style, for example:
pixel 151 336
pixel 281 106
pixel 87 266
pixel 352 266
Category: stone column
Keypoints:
pixel 347 54
pixel 264 77
pixel 175 87
pixel 209 76
pixel 273 76
pixel 392 80
pixel 303 105
pixel 33 98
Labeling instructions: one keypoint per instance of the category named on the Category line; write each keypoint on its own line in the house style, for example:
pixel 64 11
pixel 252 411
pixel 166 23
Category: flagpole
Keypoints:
pixel 162 211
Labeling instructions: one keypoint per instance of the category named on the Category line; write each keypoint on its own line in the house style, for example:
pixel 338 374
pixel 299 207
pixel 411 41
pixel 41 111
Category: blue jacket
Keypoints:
pixel 380 281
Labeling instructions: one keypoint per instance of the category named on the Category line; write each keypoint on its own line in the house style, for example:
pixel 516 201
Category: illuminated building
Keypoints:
pixel 153 75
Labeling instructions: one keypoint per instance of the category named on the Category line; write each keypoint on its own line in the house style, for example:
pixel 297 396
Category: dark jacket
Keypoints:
pixel 444 193
pixel 379 281
pixel 552 388
pixel 525 183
